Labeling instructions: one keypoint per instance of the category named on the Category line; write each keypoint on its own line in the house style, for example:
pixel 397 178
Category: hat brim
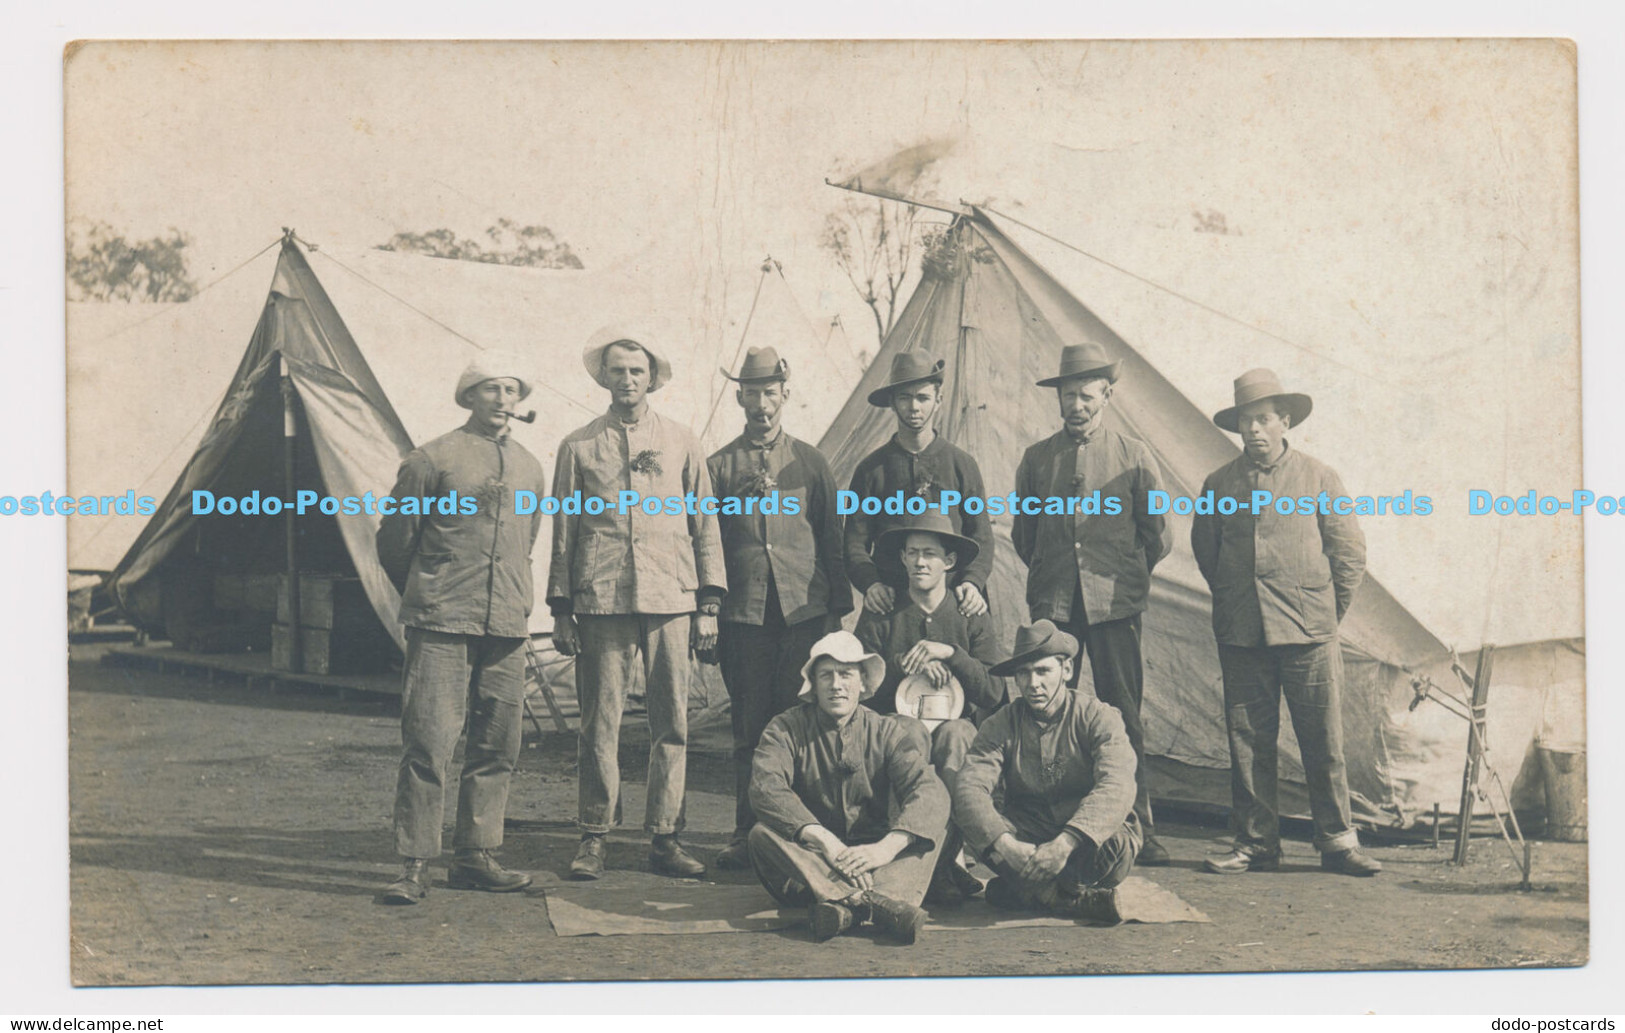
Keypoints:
pixel 1110 371
pixel 1007 668
pixel 910 689
pixel 593 359
pixel 965 550
pixel 880 397
pixel 461 397
pixel 871 664
pixel 766 378
pixel 1298 409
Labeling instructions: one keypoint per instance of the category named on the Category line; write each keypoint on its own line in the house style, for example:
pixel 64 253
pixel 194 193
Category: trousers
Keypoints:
pixel 1310 676
pixel 761 667
pixel 1119 677
pixel 450 681
pixel 609 646
pixel 796 876
pixel 1090 866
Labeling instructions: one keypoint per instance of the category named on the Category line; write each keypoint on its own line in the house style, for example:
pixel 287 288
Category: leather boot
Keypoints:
pixel 668 857
pixel 478 870
pixel 1092 905
pixel 735 857
pixel 1152 854
pixel 589 860
pixel 411 886
pixel 901 921
pixel 1350 862
pixel 829 920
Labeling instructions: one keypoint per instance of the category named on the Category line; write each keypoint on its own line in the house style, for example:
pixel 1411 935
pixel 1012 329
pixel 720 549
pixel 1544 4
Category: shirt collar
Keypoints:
pixel 1088 438
pixel 1061 711
pixel 1286 450
pixel 936 445
pixel 499 436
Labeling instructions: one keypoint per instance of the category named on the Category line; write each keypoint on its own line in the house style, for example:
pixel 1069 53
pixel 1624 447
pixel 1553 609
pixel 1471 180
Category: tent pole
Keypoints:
pixel 1475 749
pixel 289 533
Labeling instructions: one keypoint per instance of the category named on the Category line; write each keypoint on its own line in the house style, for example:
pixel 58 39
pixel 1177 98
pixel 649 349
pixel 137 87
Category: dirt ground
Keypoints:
pixel 224 837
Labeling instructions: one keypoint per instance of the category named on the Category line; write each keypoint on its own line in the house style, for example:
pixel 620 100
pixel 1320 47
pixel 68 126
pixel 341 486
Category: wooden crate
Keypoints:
pixel 333 603
pixel 326 651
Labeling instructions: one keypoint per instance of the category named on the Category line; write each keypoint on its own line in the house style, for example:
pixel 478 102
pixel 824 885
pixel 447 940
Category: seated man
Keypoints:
pixel 927 635
pixel 850 814
pixel 1065 833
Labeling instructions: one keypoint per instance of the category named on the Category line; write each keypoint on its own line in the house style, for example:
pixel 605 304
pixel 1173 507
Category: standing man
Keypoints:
pixel 1089 570
pixel 851 814
pixel 630 585
pixel 1046 796
pixel 915 461
pixel 1281 585
pixel 787 582
pixel 466 592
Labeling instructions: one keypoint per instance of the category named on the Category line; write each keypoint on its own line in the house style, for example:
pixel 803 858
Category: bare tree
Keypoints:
pixel 873 243
pixel 105 266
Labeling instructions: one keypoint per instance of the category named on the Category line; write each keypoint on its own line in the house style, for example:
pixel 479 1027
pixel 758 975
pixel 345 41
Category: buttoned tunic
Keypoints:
pixel 892 468
pixel 974 639
pixel 799 556
pixel 1278 580
pixel 1074 770
pixel 609 563
pixel 464 575
pixel 1110 556
pixel 862 781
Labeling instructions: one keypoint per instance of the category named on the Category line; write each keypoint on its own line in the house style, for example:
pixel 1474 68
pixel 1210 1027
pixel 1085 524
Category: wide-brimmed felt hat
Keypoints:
pixel 919 699
pixel 890 541
pixel 1034 642
pixel 1255 385
pixel 600 341
pixel 1084 360
pixel 761 366
pixel 843 646
pixel 911 367
pixel 492 365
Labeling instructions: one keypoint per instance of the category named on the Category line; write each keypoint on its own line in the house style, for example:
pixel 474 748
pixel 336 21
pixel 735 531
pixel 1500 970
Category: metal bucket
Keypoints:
pixel 1563 772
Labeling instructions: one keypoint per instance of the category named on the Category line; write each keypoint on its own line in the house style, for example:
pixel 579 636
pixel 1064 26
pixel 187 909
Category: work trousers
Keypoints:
pixel 1090 866
pixel 609 646
pixel 761 667
pixel 450 680
pixel 796 876
pixel 1310 676
pixel 950 744
pixel 1119 677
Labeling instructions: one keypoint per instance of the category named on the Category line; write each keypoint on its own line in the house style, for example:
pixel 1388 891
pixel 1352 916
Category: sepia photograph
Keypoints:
pixel 588 511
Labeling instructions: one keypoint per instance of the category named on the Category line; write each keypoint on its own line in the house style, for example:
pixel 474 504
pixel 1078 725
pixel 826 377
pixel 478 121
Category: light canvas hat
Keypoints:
pixel 1255 385
pixel 1034 642
pixel 844 647
pixel 761 366
pixel 913 367
pixel 1083 360
pixel 599 342
pixel 918 698
pixel 490 365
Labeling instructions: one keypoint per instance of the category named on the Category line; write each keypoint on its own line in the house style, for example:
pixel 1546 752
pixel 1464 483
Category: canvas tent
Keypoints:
pixel 1000 320
pixel 145 382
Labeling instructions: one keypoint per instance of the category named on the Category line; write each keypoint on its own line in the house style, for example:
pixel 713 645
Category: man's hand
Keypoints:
pixel 566 637
pixel 1046 862
pixel 828 845
pixel 916 660
pixel 1012 851
pixel 879 599
pixel 971 603
pixel 702 639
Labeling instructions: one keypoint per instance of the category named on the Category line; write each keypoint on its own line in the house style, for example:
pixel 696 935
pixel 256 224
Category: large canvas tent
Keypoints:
pixel 146 401
pixel 1000 320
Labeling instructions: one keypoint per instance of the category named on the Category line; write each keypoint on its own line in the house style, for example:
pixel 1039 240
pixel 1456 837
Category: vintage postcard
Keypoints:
pixel 739 510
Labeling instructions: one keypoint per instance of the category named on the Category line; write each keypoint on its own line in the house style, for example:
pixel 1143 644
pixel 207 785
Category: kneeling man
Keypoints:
pixel 1065 833
pixel 850 815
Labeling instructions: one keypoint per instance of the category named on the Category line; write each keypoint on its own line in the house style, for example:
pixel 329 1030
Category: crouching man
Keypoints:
pixel 1065 833
pixel 850 815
